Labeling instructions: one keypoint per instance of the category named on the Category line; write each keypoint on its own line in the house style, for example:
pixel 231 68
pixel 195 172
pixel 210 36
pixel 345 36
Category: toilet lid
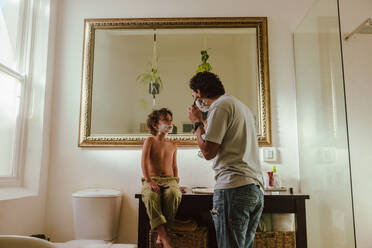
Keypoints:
pixel 96 193
pixel 88 242
pixel 93 244
pixel 85 244
pixel 123 246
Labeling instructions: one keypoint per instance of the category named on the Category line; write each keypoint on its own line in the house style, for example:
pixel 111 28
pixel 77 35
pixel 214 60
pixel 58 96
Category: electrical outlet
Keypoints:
pixel 269 154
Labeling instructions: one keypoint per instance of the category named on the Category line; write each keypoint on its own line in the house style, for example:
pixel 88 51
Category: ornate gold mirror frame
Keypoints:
pixel 263 87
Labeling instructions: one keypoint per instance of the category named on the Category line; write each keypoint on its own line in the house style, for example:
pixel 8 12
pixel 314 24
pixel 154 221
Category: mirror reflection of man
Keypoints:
pixel 230 139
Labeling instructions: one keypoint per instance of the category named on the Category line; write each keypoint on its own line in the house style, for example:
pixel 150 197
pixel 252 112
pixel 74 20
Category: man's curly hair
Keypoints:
pixel 154 117
pixel 208 83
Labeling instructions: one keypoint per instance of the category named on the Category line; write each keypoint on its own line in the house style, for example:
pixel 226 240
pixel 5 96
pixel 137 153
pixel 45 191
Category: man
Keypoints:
pixel 230 139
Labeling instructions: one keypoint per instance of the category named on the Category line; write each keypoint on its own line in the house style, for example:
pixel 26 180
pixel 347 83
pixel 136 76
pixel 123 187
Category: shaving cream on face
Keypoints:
pixel 202 105
pixel 164 128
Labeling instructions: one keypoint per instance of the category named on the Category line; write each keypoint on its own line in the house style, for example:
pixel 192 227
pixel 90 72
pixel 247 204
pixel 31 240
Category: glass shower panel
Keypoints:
pixel 322 128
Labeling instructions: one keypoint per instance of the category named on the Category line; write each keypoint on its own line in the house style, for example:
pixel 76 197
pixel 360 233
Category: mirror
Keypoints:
pixel 116 99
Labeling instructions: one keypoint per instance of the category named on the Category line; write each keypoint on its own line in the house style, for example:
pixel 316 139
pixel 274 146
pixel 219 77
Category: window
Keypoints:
pixel 15 20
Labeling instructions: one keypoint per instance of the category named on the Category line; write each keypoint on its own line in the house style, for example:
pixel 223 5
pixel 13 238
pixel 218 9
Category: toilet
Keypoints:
pixel 96 219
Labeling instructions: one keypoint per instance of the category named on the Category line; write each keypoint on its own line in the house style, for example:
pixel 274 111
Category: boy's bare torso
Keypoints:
pixel 161 158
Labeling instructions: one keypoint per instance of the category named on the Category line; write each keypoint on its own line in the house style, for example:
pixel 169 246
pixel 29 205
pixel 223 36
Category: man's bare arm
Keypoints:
pixel 209 149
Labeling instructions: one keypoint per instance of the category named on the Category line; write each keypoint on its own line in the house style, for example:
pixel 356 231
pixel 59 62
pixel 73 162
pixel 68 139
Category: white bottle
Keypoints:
pixel 277 182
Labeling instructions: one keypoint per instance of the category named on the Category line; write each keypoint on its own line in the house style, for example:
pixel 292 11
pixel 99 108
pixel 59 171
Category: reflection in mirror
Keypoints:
pixel 120 104
pixel 116 99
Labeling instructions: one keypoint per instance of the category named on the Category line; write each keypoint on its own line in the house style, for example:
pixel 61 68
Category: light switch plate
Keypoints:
pixel 269 154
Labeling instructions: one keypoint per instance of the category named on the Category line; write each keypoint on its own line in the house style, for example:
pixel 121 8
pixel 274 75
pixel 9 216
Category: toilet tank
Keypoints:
pixel 96 213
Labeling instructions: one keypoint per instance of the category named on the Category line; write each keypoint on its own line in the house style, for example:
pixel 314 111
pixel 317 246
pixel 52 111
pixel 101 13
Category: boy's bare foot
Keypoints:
pixel 166 244
pixel 163 237
pixel 158 241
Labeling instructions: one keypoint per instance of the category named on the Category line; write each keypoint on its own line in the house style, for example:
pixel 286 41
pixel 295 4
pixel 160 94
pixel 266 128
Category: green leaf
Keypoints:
pixel 204 66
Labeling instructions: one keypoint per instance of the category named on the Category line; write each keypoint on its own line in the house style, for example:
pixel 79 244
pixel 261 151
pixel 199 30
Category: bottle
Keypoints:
pixel 270 176
pixel 276 178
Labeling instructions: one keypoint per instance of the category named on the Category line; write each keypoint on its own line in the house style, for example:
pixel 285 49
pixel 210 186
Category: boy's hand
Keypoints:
pixel 183 189
pixel 154 186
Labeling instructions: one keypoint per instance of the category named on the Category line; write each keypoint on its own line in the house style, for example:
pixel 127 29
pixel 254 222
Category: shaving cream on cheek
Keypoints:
pixel 164 128
pixel 202 105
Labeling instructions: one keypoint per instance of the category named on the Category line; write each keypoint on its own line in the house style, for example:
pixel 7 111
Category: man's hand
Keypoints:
pixel 154 186
pixel 194 114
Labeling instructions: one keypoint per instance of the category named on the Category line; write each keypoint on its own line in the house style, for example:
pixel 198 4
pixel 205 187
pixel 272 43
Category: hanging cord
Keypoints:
pixel 154 64
pixel 204 41
pixel 154 50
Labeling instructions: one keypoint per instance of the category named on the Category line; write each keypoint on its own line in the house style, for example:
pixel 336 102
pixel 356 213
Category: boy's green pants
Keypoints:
pixel 162 208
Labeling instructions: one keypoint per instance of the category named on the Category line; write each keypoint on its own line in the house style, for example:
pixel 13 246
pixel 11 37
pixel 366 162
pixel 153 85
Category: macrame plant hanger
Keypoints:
pixel 154 87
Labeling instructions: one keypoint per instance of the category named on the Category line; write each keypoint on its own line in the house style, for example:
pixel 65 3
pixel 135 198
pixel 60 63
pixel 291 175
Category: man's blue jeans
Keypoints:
pixel 236 213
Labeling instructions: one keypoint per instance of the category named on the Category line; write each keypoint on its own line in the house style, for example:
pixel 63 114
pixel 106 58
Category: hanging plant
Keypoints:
pixel 204 66
pixel 152 77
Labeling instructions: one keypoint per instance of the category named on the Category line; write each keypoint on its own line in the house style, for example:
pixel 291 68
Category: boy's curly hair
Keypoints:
pixel 153 118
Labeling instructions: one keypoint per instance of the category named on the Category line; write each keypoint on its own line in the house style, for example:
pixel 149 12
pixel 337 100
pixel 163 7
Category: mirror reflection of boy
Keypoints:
pixel 160 191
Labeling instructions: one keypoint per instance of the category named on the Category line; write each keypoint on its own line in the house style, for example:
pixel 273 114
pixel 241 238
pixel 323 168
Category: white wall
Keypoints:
pixel 72 168
pixel 357 53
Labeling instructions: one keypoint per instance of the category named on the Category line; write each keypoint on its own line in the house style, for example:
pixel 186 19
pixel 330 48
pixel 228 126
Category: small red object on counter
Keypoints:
pixel 271 178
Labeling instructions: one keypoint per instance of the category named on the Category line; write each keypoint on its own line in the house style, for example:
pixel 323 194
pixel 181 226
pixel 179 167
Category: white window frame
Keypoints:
pixel 21 74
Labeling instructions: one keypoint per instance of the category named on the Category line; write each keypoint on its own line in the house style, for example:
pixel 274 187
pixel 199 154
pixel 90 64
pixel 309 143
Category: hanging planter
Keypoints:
pixel 204 66
pixel 152 77
pixel 155 83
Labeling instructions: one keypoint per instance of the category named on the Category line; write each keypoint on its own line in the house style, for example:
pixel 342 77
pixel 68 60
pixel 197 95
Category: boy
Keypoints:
pixel 160 192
